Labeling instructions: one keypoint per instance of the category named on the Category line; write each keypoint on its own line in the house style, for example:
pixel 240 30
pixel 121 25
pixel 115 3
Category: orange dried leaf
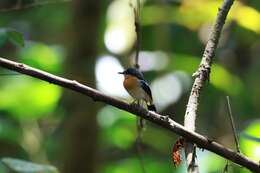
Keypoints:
pixel 176 156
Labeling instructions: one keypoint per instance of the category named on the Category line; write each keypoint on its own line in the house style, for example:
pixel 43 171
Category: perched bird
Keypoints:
pixel 137 87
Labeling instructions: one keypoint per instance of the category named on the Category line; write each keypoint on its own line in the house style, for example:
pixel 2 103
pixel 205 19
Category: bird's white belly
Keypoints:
pixel 138 93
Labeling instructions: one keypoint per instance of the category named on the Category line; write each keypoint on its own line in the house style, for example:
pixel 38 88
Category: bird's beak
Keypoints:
pixel 121 73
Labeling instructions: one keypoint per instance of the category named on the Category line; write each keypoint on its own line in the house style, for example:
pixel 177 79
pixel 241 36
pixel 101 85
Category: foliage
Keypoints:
pixel 11 35
pixel 33 113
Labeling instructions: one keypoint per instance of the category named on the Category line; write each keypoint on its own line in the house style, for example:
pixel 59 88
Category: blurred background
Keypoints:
pixel 90 41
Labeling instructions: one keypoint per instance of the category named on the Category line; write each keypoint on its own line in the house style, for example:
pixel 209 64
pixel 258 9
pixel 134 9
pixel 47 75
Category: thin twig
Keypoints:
pixel 233 130
pixel 225 168
pixel 139 129
pixel 161 120
pixel 19 5
pixel 140 121
pixel 136 10
pixel 202 75
pixel 233 125
pixel 140 150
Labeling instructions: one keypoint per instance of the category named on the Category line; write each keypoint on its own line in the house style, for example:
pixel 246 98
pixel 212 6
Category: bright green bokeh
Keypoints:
pixel 28 98
pixel 219 76
pixel 41 56
pixel 151 164
pixel 118 127
pixel 251 147
pixel 193 14
pixel 224 80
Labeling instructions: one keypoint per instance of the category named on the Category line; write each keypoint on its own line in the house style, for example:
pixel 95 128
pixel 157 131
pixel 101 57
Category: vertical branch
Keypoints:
pixel 202 75
pixel 140 121
pixel 233 125
pixel 138 32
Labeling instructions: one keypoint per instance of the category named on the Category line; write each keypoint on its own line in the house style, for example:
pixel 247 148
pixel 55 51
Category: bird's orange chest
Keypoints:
pixel 130 82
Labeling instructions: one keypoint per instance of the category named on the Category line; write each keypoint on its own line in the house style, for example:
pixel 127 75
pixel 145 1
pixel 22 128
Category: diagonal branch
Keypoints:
pixel 19 5
pixel 163 121
pixel 202 75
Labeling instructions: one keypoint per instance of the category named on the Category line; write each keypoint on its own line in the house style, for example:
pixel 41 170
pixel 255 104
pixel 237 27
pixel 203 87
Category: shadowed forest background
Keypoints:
pixel 91 41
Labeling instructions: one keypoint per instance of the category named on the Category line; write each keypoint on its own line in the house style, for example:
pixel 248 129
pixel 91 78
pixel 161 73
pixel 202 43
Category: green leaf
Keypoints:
pixel 15 37
pixel 27 98
pixel 39 55
pixel 249 141
pixel 18 165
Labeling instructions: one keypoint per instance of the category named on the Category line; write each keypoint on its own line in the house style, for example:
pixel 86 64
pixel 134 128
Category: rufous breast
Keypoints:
pixel 130 82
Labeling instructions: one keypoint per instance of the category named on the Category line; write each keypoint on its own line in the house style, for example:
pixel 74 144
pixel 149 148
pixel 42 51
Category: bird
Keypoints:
pixel 137 87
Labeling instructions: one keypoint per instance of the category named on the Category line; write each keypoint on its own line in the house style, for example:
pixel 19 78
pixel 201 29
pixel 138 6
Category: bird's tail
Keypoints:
pixel 151 107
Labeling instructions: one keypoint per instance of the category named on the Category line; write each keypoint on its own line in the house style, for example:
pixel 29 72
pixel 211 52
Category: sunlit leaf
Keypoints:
pixel 219 77
pixel 224 80
pixel 240 12
pixel 42 56
pixel 23 166
pixel 193 14
pixel 248 143
pixel 28 98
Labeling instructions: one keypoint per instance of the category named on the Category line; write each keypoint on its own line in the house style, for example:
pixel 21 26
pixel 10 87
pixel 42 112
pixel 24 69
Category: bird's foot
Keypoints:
pixel 135 102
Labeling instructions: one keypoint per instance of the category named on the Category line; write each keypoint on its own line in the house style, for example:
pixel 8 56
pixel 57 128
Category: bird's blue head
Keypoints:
pixel 133 72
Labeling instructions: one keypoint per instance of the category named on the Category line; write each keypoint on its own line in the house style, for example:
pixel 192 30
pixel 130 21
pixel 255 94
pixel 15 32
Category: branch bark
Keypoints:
pixel 202 75
pixel 20 6
pixel 138 33
pixel 163 121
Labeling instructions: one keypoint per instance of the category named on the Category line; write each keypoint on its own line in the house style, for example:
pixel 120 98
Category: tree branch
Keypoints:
pixel 20 6
pixel 163 121
pixel 136 10
pixel 202 75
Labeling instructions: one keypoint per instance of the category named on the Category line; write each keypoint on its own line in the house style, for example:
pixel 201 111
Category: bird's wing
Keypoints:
pixel 146 88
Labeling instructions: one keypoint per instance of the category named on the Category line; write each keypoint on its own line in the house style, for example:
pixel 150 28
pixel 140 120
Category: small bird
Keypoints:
pixel 137 87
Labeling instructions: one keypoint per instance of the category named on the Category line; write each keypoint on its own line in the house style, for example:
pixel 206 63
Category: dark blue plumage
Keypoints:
pixel 133 72
pixel 146 87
